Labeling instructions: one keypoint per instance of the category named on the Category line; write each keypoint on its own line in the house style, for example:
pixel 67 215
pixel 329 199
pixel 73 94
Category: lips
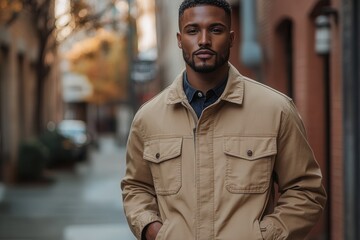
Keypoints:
pixel 204 53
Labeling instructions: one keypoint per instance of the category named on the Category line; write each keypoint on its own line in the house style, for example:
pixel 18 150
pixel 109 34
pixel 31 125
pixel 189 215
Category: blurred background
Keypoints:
pixel 74 72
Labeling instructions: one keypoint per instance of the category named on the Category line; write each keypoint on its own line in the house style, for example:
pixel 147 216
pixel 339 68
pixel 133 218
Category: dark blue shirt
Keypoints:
pixel 197 99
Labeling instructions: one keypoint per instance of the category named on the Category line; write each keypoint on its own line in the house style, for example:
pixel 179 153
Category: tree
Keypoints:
pixel 49 33
pixel 102 59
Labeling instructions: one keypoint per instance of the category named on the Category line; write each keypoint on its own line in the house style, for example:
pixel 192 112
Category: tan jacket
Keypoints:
pixel 213 177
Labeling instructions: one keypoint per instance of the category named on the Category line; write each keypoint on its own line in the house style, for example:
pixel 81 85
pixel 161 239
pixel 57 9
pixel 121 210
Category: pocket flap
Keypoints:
pixel 250 148
pixel 159 150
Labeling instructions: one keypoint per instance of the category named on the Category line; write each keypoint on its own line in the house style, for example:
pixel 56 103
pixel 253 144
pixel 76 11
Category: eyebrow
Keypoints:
pixel 211 25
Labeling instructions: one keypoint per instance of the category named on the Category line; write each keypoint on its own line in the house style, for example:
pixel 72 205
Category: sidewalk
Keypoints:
pixel 84 204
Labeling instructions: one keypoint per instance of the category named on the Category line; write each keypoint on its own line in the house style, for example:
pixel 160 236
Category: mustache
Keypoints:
pixel 206 49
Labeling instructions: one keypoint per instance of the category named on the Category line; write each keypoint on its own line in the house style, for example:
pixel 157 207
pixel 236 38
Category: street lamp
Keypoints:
pixel 322 35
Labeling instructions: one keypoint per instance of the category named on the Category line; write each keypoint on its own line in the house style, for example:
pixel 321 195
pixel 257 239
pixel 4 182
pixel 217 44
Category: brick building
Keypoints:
pixel 18 53
pixel 323 84
pixel 291 63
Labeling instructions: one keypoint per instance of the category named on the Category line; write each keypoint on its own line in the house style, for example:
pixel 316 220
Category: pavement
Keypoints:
pixel 83 203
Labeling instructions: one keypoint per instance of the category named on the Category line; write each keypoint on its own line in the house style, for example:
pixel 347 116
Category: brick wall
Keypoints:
pixel 309 91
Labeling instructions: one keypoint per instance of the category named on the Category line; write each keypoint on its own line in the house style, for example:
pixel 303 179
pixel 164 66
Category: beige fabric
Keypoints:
pixel 213 177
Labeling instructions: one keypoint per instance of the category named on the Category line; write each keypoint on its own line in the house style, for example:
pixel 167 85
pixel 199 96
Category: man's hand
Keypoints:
pixel 152 230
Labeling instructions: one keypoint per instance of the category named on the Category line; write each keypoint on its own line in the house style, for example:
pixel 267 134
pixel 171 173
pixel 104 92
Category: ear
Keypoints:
pixel 232 38
pixel 178 36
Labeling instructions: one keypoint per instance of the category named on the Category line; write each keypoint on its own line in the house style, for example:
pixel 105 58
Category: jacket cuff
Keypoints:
pixel 143 220
pixel 269 231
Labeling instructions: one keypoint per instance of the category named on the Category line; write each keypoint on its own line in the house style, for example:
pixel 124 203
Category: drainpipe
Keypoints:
pixel 351 117
pixel 250 48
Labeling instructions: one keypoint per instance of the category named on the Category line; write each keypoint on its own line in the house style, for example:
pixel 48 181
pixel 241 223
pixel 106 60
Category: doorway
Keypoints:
pixel 4 52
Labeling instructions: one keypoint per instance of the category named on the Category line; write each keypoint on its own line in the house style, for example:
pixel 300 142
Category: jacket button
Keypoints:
pixel 157 155
pixel 249 153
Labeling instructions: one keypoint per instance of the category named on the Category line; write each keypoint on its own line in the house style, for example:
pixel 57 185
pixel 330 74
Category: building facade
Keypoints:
pixel 308 50
pixel 19 48
pixel 293 64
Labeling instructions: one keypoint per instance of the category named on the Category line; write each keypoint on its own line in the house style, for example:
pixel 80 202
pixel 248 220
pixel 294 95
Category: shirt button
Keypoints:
pixel 200 94
pixel 249 153
pixel 157 155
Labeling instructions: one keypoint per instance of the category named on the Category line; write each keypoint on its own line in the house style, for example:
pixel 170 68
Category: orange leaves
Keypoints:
pixel 103 60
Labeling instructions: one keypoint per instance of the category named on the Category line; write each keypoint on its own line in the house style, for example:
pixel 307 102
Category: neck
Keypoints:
pixel 206 81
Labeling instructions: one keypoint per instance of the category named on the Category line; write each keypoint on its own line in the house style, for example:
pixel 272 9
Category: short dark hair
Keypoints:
pixel 193 3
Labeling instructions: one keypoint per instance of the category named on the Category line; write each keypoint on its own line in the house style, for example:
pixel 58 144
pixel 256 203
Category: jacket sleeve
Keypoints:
pixel 139 198
pixel 302 196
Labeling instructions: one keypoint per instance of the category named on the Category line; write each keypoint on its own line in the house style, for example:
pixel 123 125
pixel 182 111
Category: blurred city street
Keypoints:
pixel 81 203
pixel 73 73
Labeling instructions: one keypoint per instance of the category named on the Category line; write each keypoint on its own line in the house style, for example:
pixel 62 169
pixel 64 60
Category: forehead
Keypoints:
pixel 204 14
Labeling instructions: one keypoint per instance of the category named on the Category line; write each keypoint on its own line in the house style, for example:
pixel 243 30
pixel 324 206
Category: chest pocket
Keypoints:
pixel 164 157
pixel 249 163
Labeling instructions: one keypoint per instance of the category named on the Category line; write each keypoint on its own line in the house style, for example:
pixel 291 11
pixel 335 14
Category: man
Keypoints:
pixel 204 155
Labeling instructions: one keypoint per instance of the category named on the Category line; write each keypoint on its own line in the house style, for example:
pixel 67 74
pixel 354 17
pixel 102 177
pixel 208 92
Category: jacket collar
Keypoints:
pixel 234 90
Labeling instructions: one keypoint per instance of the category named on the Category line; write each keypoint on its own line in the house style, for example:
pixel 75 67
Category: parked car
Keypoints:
pixel 60 148
pixel 76 131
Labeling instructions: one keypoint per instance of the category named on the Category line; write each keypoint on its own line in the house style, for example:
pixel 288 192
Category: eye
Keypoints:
pixel 217 30
pixel 191 31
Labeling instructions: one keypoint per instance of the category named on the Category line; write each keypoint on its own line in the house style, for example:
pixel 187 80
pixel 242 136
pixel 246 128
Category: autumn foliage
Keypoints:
pixel 103 60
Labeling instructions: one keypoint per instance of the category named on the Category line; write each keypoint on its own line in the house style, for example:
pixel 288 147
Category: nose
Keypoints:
pixel 204 39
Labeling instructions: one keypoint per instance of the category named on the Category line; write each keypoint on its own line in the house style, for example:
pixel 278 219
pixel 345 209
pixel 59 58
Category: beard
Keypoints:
pixel 220 60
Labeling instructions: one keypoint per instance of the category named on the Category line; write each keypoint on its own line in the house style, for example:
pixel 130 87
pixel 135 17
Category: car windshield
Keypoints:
pixel 75 130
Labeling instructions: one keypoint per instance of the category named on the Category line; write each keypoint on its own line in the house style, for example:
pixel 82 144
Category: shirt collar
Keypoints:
pixel 190 91
pixel 234 89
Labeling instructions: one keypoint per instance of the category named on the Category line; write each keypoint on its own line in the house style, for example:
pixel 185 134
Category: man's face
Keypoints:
pixel 205 38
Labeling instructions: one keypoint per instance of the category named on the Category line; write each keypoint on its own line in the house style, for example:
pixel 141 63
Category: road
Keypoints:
pixel 81 203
